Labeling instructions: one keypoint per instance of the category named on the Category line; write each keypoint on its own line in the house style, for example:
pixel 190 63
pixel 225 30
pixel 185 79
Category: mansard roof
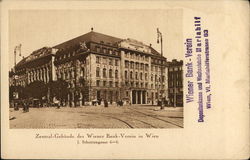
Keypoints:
pixel 98 38
pixel 89 37
pixel 37 54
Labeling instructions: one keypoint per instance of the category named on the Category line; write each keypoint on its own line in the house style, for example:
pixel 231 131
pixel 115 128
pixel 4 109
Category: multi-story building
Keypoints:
pixel 36 67
pixel 175 82
pixel 98 66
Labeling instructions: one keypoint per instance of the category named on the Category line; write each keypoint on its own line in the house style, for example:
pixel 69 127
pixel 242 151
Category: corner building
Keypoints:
pixel 98 66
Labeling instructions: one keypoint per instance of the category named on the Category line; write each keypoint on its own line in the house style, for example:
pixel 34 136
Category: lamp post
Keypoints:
pixel 159 40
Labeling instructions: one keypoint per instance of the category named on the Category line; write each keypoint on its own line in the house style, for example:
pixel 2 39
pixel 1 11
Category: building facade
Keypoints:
pixel 100 67
pixel 175 82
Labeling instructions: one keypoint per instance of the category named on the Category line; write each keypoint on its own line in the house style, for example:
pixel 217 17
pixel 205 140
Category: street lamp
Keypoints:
pixel 159 39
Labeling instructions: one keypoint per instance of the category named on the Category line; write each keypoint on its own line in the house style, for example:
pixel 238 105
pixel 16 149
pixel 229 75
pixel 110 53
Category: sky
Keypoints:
pixel 35 29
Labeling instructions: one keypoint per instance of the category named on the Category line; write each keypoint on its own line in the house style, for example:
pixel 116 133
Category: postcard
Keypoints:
pixel 125 80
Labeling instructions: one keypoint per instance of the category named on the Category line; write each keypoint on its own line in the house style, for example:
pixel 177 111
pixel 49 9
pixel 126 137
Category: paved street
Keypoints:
pixel 98 117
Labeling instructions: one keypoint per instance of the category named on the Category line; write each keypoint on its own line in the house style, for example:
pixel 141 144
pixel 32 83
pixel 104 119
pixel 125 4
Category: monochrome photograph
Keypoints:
pixel 96 70
pixel 124 79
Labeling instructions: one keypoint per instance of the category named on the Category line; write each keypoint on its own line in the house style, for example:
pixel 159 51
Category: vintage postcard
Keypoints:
pixel 125 79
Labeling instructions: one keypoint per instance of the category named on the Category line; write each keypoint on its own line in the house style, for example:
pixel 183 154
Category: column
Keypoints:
pixel 28 75
pixel 68 101
pixel 31 76
pixel 80 99
pixel 44 75
pixel 47 68
pixel 38 74
pixel 73 99
pixel 34 75
pixel 131 99
pixel 141 96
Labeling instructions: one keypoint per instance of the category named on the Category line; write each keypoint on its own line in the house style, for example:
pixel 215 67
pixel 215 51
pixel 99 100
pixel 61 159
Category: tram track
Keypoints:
pixel 146 114
pixel 125 121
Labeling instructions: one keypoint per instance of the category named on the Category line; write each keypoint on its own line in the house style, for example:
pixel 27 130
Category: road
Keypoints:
pixel 98 117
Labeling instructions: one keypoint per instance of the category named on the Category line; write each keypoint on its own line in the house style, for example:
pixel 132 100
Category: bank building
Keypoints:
pixel 98 67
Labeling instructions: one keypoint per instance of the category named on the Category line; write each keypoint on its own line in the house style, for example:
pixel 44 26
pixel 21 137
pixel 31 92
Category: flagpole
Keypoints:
pixel 159 35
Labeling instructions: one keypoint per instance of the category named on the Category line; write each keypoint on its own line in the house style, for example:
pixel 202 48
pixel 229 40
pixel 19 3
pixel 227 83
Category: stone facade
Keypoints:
pixel 175 82
pixel 100 67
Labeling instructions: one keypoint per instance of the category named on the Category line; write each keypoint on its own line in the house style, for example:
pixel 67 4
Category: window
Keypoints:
pixel 146 67
pixel 146 85
pixel 126 74
pixel 140 76
pixel 126 54
pixel 127 93
pixel 104 50
pixel 142 66
pixel 110 84
pixel 132 64
pixel 146 76
pixel 104 60
pixel 136 75
pixel 104 83
pixel 97 48
pixel 137 66
pixel 97 72
pixel 116 84
pixel 126 64
pixel 97 59
pixel 132 56
pixel 131 75
pixel 104 73
pixel 110 61
pixel 110 51
pixel 116 62
pixel 110 73
pixel 126 84
pixel 116 73
pixel 156 78
pixel 137 84
pixel 97 83
pixel 152 78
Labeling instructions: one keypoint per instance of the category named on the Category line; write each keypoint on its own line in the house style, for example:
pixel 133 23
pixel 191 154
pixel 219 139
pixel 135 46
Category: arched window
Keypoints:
pixel 97 72
pixel 116 73
pixel 141 76
pixel 104 72
pixel 136 75
pixel 131 75
pixel 110 73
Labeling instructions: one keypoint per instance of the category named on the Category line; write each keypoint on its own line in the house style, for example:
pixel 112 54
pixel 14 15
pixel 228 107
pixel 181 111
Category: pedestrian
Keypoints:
pixel 27 106
pixel 24 107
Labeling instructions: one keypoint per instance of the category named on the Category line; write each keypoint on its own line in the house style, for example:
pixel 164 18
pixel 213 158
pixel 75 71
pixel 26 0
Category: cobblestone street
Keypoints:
pixel 98 117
